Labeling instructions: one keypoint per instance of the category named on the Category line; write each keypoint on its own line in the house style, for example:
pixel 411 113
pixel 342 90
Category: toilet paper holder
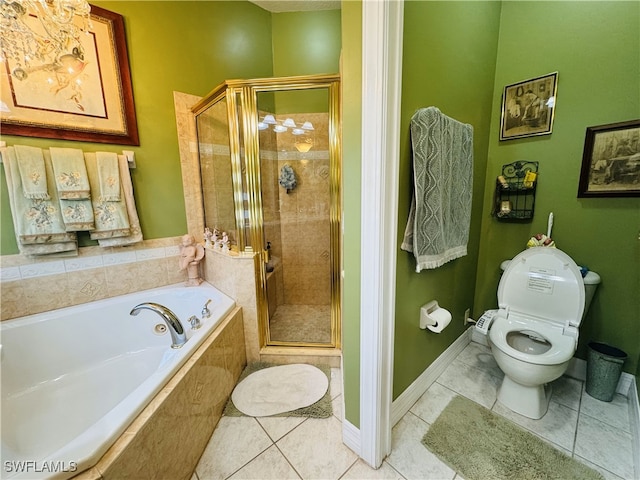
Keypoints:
pixel 425 314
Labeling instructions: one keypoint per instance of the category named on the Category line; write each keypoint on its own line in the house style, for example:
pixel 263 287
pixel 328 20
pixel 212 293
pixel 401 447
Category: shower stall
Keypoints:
pixel 270 162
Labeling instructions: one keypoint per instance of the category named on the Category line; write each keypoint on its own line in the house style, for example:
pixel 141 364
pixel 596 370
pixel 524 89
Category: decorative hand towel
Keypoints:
pixel 111 219
pixel 70 173
pixel 127 187
pixel 77 215
pixel 30 167
pixel 108 176
pixel 438 226
pixel 38 224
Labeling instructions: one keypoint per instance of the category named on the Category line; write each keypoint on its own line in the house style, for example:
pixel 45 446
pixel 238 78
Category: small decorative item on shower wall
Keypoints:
pixel 528 107
pixel 611 161
pixel 287 178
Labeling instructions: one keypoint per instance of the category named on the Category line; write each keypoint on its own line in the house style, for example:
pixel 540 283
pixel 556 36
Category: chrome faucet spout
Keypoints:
pixel 177 331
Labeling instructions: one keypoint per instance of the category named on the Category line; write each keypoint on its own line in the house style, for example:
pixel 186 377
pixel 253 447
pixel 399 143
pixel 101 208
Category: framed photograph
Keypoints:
pixel 528 107
pixel 611 161
pixel 86 97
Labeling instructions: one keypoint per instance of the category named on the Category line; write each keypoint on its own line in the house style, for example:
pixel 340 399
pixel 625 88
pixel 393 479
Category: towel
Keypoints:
pixel 38 224
pixel 30 167
pixel 77 215
pixel 108 177
pixel 110 217
pixel 136 232
pixel 70 173
pixel 438 225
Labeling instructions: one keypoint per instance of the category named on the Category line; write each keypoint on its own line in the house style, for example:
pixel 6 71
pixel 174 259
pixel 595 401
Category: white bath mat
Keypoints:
pixel 280 389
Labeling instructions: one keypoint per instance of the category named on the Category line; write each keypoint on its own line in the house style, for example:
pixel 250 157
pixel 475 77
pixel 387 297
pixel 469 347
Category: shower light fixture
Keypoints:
pixel 303 134
pixel 289 123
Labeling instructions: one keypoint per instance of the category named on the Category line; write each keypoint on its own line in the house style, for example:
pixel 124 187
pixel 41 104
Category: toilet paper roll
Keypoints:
pixel 442 318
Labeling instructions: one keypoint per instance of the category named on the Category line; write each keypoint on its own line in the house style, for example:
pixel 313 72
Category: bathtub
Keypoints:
pixel 73 379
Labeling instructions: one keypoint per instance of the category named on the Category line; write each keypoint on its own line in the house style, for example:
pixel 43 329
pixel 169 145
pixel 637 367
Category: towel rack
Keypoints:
pixel 128 154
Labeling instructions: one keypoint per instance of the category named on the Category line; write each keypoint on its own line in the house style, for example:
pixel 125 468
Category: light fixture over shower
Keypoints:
pixel 42 34
pixel 302 130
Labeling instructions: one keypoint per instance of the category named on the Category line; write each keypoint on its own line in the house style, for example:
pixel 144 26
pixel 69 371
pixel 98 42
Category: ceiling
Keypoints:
pixel 278 6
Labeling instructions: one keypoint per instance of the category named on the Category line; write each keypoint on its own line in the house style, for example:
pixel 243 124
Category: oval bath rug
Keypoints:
pixel 280 389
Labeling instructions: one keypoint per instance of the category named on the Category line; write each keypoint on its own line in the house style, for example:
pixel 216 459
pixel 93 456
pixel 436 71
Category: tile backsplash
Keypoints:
pixel 32 285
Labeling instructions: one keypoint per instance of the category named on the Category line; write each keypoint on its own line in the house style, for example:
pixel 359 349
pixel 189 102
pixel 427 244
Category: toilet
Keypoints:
pixel 534 334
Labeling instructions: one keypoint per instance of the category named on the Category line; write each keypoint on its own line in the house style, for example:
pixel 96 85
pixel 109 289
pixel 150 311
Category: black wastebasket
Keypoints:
pixel 604 367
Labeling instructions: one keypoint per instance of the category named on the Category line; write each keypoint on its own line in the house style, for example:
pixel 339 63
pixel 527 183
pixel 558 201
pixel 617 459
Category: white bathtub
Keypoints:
pixel 73 379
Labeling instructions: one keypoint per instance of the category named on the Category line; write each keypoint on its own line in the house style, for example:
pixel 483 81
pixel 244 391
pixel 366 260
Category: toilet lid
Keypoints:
pixel 544 283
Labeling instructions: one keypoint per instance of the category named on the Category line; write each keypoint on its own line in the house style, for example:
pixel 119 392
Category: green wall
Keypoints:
pixel 183 46
pixel 595 48
pixel 449 62
pixel 351 165
pixel 305 43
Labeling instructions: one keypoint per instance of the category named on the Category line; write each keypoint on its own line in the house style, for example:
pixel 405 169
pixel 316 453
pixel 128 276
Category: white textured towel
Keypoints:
pixel 438 226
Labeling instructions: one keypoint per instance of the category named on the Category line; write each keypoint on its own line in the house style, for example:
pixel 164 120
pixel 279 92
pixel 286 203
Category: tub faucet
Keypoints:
pixel 178 335
pixel 206 313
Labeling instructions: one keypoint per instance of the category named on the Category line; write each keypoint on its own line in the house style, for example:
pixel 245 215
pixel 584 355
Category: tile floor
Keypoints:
pixel 294 448
pixel 301 323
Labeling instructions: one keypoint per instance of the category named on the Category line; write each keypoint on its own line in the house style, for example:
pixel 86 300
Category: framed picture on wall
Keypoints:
pixel 611 161
pixel 528 107
pixel 83 95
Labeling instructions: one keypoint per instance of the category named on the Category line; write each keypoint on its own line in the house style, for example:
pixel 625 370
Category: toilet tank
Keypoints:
pixel 591 282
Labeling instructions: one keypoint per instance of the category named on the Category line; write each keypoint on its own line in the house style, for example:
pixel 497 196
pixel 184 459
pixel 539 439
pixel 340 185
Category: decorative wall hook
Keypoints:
pixel 287 178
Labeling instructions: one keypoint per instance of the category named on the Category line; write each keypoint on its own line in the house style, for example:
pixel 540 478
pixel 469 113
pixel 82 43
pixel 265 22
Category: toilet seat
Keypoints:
pixel 541 292
pixel 562 346
pixel 544 284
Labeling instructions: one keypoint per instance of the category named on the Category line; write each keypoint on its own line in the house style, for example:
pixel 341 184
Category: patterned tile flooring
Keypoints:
pixel 594 432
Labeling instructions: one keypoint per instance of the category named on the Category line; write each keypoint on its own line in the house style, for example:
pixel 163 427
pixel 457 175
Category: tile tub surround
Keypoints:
pixel 34 285
pixel 167 439
pixel 235 276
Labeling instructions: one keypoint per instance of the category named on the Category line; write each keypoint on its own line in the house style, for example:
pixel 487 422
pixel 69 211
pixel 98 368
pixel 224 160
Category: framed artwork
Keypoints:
pixel 86 97
pixel 528 107
pixel 611 161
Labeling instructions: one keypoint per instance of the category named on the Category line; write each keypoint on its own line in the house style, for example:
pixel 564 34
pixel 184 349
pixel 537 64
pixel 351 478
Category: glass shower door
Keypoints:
pixel 295 175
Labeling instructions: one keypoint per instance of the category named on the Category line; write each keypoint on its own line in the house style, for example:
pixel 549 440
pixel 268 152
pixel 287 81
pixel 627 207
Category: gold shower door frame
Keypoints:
pixel 246 91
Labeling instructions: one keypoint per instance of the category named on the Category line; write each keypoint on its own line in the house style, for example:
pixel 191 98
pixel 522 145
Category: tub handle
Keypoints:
pixel 195 322
pixel 206 313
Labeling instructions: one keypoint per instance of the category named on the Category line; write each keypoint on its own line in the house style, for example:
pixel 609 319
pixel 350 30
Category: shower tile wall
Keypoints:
pixel 301 217
pixel 189 163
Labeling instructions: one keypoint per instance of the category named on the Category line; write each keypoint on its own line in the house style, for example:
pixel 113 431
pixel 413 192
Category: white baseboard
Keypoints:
pixel 405 401
pixel 634 420
pixel 351 436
